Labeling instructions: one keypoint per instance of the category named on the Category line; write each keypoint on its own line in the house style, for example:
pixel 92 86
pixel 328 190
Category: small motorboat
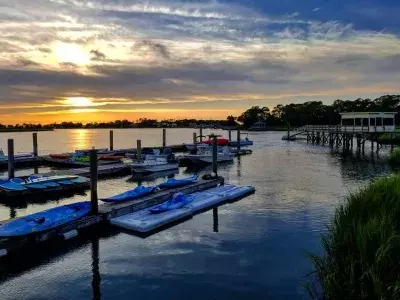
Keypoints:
pixel 173 183
pixel 178 200
pixel 243 143
pixel 17 156
pixel 45 220
pixel 203 155
pixel 8 185
pixel 154 163
pixel 33 185
pixel 139 191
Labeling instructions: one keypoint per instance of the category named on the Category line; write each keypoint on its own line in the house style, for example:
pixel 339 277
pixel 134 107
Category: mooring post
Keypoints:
pixel 164 137
pixel 194 139
pixel 35 144
pixel 215 156
pixel 288 130
pixel 111 140
pixel 11 170
pixel 391 143
pixel 201 135
pixel 139 149
pixel 230 134
pixel 238 140
pixel 93 181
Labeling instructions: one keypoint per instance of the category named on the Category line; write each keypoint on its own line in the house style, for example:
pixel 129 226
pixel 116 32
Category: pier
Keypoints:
pixel 356 128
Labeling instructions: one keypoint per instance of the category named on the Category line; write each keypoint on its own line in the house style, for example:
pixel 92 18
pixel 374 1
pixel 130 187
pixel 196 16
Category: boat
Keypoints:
pixel 61 156
pixel 173 183
pixel 8 185
pixel 84 158
pixel 220 141
pixel 204 155
pixel 45 220
pixel 110 157
pixel 243 143
pixel 139 191
pixel 177 201
pixel 152 164
pixel 86 151
pixel 17 156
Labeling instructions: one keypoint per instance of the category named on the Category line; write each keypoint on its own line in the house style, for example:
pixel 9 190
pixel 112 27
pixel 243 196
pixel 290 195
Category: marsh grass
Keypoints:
pixel 361 257
pixel 394 156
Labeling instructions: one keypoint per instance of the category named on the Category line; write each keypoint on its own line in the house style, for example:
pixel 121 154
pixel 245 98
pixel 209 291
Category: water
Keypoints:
pixel 251 249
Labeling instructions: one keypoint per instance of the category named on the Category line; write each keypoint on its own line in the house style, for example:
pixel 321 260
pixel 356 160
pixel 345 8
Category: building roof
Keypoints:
pixel 351 115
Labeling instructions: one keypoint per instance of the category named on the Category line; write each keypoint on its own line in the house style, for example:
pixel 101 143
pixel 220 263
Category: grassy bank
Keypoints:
pixel 361 257
pixel 394 156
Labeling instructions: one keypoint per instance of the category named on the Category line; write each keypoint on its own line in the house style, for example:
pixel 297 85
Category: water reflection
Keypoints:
pixel 96 278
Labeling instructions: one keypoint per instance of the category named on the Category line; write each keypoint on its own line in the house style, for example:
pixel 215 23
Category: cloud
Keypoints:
pixel 157 49
pixel 68 65
pixel 23 62
pixel 97 55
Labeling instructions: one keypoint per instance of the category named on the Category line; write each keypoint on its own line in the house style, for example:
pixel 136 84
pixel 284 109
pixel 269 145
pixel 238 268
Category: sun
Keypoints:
pixel 78 101
pixel 71 53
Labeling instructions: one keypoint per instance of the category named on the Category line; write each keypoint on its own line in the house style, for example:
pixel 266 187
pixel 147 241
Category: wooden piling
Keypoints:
pixel 215 156
pixel 238 140
pixel 93 181
pixel 201 135
pixel 194 138
pixel 288 131
pixel 11 169
pixel 230 135
pixel 35 144
pixel 111 140
pixel 139 149
pixel 164 137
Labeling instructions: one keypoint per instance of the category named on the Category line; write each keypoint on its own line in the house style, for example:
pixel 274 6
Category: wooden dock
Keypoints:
pixel 103 171
pixel 106 212
pixel 23 162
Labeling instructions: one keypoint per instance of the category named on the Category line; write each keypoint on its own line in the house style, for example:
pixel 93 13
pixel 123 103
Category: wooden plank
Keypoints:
pixel 113 210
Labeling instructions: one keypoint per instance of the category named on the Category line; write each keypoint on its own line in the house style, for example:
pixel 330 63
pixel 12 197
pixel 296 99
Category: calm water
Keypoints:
pixel 251 249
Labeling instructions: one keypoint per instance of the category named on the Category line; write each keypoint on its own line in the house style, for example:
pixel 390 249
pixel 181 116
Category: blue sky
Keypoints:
pixel 112 59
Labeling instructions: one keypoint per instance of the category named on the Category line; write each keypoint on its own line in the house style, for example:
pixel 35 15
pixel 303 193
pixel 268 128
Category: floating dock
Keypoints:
pixel 106 212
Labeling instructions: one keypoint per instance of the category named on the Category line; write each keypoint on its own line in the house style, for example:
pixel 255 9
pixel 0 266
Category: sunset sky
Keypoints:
pixel 101 60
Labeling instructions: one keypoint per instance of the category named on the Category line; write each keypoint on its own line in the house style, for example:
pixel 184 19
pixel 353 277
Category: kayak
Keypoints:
pixel 8 185
pixel 81 158
pixel 178 200
pixel 242 143
pixel 172 182
pixel 61 156
pixel 220 142
pixel 110 157
pixel 139 191
pixel 45 220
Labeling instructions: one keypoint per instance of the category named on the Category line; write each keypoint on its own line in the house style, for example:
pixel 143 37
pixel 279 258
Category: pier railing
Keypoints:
pixel 340 128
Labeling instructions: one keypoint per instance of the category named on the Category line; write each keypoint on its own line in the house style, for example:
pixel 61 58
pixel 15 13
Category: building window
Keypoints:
pixel 372 121
pixel 388 121
pixel 348 122
pixel 357 121
pixel 378 121
pixel 365 122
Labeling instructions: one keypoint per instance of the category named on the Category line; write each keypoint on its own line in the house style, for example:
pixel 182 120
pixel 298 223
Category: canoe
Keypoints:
pixel 172 182
pixel 177 201
pixel 60 156
pixel 139 191
pixel 45 220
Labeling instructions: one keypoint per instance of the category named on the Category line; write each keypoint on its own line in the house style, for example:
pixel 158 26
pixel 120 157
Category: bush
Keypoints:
pixel 361 257
pixel 394 156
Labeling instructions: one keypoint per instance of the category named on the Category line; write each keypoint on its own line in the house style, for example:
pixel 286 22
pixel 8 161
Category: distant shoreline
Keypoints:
pixel 25 129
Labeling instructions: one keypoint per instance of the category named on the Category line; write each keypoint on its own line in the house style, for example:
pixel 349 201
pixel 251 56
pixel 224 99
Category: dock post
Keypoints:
pixel 111 140
pixel 35 144
pixel 164 137
pixel 139 149
pixel 372 144
pixel 288 130
pixel 93 181
pixel 194 138
pixel 238 141
pixel 11 169
pixel 230 134
pixel 215 156
pixel 201 135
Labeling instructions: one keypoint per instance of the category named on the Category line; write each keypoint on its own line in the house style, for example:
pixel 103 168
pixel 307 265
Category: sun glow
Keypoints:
pixel 78 101
pixel 71 53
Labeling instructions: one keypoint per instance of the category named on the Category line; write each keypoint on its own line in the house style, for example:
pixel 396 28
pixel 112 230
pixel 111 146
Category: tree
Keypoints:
pixel 254 114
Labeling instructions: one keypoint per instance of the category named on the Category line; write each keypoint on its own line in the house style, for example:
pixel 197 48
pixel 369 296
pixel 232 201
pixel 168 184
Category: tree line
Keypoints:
pixel 317 113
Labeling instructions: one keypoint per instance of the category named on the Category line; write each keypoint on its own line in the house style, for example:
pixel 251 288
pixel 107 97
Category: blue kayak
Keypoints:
pixel 45 220
pixel 172 182
pixel 243 143
pixel 8 185
pixel 139 191
pixel 178 200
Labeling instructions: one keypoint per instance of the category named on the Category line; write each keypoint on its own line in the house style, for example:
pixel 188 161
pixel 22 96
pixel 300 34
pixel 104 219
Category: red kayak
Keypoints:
pixel 220 142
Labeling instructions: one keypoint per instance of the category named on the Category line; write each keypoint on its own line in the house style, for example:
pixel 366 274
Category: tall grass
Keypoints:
pixel 361 257
pixel 394 156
